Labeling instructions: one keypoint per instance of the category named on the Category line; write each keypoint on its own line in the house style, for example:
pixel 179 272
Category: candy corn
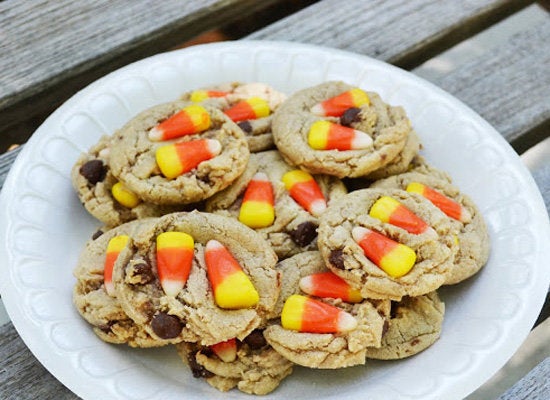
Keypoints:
pixel 304 314
pixel 252 108
pixel 327 284
pixel 114 247
pixel 326 135
pixel 389 210
pixel 257 209
pixel 124 196
pixel 200 95
pixel 175 251
pixel 450 207
pixel 226 351
pixel 392 257
pixel 305 191
pixel 232 287
pixel 337 105
pixel 190 120
pixel 179 158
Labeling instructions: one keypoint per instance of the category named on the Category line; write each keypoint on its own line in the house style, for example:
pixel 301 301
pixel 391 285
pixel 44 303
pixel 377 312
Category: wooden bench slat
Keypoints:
pixel 533 386
pixel 404 33
pixel 51 49
pixel 508 86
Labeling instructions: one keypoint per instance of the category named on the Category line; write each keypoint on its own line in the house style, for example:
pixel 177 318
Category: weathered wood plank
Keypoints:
pixel 51 49
pixel 22 377
pixel 534 386
pixel 404 33
pixel 508 86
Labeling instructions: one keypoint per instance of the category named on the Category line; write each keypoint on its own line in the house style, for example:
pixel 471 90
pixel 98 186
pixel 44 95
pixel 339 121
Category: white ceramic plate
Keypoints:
pixel 43 229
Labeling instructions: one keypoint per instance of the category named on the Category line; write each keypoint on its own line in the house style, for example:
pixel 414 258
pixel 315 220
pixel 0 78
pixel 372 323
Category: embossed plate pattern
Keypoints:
pixel 44 227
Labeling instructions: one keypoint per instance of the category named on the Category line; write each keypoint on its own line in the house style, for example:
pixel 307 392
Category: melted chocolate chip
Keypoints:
pixel 166 326
pixel 350 116
pixel 304 233
pixel 94 171
pixel 255 339
pixel 106 327
pixel 245 126
pixel 415 342
pixel 198 370
pixel 336 258
pixel 143 269
pixel 97 234
pixel 393 310
pixel 385 327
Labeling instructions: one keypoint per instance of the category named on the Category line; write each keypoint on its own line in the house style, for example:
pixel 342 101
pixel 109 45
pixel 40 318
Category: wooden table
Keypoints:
pixel 51 49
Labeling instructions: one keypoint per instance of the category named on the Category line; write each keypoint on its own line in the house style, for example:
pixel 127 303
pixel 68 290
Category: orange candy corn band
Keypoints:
pixel 328 284
pixel 305 191
pixel 337 105
pixel 257 209
pixel 304 314
pixel 114 247
pixel 326 135
pixel 392 257
pixel 389 210
pixel 232 287
pixel 252 108
pixel 175 251
pixel 226 351
pixel 200 95
pixel 190 120
pixel 450 207
pixel 178 158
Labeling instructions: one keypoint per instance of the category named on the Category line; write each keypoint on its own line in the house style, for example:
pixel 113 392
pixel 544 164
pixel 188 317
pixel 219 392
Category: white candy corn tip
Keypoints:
pixel 346 322
pixel 260 177
pixel 214 146
pixel 213 245
pixel 306 284
pixel 155 134
pixel 358 233
pixel 172 287
pixel 110 289
pixel 430 232
pixel 361 140
pixel 318 207
pixel 318 109
pixel 465 215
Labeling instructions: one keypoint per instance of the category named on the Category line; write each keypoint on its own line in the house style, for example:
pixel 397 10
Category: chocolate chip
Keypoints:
pixel 393 310
pixel 255 339
pixel 385 327
pixel 415 342
pixel 245 126
pixel 350 116
pixel 94 171
pixel 144 271
pixel 198 370
pixel 97 234
pixel 336 258
pixel 304 233
pixel 166 326
pixel 106 327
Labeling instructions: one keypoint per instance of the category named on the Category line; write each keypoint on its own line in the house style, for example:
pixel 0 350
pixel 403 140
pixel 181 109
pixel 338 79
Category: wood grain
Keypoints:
pixel 533 386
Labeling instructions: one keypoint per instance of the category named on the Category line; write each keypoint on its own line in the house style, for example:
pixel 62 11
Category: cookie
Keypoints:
pixel 323 350
pixel 225 96
pixel 93 181
pixel 192 313
pixel 473 237
pixel 293 229
pixel 90 296
pixel 254 368
pixel 431 250
pixel 182 177
pixel 384 132
pixel 414 325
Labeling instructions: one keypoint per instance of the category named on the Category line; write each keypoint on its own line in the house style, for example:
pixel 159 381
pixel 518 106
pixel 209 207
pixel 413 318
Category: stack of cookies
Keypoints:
pixel 255 232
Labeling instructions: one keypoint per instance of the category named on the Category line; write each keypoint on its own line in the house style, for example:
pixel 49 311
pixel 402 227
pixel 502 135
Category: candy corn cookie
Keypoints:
pixel 322 321
pixel 414 325
pixel 250 365
pixel 211 279
pixel 280 202
pixel 178 153
pixel 94 295
pixel 250 105
pixel 102 195
pixel 338 129
pixel 472 237
pixel 388 243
